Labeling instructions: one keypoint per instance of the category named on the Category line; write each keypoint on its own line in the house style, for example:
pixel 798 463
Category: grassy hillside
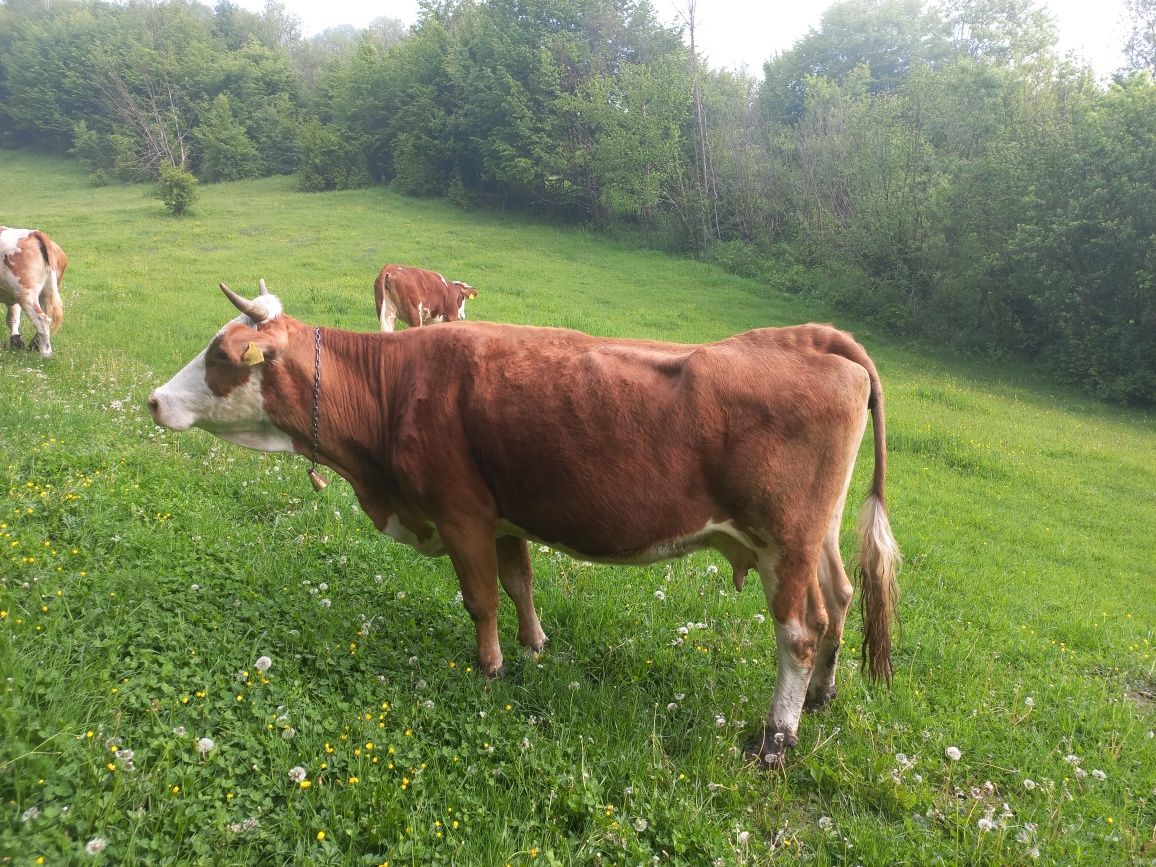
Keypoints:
pixel 142 574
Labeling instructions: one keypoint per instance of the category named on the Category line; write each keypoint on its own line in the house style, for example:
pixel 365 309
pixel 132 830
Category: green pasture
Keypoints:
pixel 143 574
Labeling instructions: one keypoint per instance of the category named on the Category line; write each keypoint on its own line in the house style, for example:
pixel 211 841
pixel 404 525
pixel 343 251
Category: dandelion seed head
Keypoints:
pixel 1029 784
pixel 297 774
pixel 953 753
pixel 263 663
pixel 640 824
pixel 1099 775
pixel 95 846
pixel 744 837
pixel 204 745
pixel 659 595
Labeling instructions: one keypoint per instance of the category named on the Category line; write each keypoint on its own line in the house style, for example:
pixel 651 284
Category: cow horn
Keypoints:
pixel 251 309
pixel 261 284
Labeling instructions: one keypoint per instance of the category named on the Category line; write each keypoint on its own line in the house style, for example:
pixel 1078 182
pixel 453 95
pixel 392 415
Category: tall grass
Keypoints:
pixel 143 573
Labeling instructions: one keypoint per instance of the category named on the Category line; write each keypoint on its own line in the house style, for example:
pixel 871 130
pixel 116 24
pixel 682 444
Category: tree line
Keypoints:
pixel 939 168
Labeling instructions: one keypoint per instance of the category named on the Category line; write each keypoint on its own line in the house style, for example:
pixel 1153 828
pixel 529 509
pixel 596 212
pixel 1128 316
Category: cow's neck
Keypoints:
pixel 352 403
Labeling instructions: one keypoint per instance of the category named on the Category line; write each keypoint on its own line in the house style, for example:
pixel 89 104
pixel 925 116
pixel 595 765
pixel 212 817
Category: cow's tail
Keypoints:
pixel 379 288
pixel 879 555
pixel 55 262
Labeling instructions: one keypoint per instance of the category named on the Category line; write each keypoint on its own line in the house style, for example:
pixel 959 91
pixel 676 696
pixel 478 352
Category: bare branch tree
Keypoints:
pixel 154 118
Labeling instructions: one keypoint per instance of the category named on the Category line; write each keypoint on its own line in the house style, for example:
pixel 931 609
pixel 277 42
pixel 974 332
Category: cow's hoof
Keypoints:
pixel 769 749
pixel 16 341
pixel 815 703
pixel 34 346
pixel 533 649
pixel 493 673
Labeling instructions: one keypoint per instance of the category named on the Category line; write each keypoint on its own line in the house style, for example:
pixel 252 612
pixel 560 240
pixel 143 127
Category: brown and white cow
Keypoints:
pixel 419 297
pixel 472 438
pixel 31 270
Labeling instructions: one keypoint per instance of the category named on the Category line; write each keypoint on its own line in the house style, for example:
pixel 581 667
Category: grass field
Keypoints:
pixel 143 573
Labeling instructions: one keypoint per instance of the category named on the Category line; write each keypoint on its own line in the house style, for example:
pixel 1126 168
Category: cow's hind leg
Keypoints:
pixel 837 592
pixel 15 340
pixel 475 559
pixel 42 341
pixel 518 579
pixel 791 586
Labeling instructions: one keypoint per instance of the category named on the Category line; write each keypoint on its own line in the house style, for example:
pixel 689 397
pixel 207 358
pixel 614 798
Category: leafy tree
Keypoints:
pixel 330 160
pixel 1141 45
pixel 227 153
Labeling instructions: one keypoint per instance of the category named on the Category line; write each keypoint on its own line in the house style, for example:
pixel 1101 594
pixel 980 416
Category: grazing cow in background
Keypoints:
pixel 31 270
pixel 419 297
pixel 472 438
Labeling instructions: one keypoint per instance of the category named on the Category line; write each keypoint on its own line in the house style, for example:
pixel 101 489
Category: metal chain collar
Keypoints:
pixel 315 478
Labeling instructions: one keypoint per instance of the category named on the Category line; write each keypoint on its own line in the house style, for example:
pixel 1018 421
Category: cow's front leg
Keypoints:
pixel 518 578
pixel 15 340
pixel 795 601
pixel 475 559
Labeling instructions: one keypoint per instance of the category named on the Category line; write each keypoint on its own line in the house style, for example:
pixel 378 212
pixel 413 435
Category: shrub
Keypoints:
pixel 177 189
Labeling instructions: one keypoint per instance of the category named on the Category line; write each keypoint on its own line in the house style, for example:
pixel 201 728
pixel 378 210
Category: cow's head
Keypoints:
pixel 465 291
pixel 220 390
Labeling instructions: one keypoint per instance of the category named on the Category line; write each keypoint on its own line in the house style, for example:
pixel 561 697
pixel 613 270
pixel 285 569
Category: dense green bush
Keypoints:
pixel 177 188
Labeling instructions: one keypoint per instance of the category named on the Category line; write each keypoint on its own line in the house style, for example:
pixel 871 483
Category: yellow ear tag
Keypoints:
pixel 253 355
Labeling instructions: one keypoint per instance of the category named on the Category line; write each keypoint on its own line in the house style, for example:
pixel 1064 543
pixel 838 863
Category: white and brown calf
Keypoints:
pixel 418 297
pixel 31 270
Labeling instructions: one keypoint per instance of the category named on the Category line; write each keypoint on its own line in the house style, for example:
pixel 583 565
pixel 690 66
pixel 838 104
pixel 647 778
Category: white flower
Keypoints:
pixel 1099 775
pixel 986 824
pixel 1072 759
pixel 289 733
pixel 672 706
pixel 720 720
pixel 660 595
pixel 29 814
pixel 953 753
pixel 525 743
pixel 682 630
pixel 179 731
pixel 325 603
pixel 297 774
pixel 322 586
pixel 428 704
pixel 744 837
pixel 263 663
pixel 1030 702
pixel 204 745
pixel 1081 773
pixel 760 618
pixel 1034 852
pixel 194 587
pixel 574 684
pixel 95 845
pixel 1029 784
pixel 640 824
pixel 826 823
pixel 399 595
pixel 712 569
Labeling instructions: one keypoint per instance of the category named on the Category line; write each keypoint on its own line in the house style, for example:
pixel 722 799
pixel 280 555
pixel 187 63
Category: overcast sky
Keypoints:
pixel 733 33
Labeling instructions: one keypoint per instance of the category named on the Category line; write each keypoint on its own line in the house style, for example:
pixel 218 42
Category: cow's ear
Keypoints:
pixel 251 346
pixel 253 354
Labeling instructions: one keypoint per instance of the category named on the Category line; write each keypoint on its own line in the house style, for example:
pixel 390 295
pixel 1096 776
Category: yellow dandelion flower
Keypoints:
pixel 320 836
pixel 305 784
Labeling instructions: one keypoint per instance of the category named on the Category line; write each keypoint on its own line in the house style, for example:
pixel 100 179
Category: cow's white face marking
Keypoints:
pixel 186 401
pixel 462 311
